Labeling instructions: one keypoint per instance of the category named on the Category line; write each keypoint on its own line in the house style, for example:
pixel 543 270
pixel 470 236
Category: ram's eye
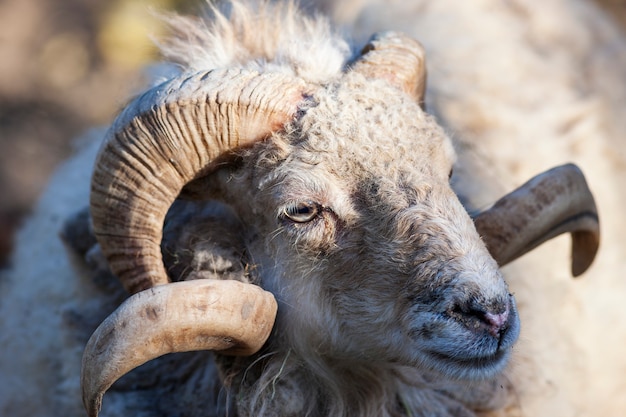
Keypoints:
pixel 302 212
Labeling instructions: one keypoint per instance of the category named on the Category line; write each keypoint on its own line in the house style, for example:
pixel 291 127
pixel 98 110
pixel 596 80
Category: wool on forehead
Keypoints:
pixel 369 126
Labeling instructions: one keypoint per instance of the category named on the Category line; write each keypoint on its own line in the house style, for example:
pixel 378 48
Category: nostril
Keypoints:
pixel 497 322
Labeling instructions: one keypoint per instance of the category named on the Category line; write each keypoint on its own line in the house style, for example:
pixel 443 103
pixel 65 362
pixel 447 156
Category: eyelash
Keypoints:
pixel 302 212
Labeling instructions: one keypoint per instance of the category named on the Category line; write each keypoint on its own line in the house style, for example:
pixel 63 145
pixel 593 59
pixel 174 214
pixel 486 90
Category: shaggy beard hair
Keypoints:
pixel 289 385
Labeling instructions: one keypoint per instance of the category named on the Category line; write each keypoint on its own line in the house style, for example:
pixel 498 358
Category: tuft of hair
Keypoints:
pixel 259 36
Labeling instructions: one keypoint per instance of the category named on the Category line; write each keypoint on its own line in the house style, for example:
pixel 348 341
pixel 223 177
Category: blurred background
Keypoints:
pixel 67 66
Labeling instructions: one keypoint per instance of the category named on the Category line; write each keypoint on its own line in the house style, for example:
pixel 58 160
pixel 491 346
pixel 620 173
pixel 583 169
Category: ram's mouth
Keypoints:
pixel 472 367
pixel 476 361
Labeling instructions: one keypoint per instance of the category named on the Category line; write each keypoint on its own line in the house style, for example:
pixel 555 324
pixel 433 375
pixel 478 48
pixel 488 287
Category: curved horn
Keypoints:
pixel 167 137
pixel 554 202
pixel 397 58
pixel 228 316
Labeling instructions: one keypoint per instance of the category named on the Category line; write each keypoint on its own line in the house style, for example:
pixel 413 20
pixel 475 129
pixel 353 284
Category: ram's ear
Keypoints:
pixel 397 58
pixel 218 255
pixel 554 202
pixel 226 316
pixel 204 241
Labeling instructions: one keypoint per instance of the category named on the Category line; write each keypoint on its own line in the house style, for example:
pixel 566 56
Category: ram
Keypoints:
pixel 328 186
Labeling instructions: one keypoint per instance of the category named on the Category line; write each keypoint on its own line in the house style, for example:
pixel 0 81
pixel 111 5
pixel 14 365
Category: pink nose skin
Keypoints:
pixel 497 322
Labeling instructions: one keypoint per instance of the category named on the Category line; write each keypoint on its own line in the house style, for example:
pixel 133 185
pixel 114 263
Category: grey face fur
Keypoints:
pixel 378 260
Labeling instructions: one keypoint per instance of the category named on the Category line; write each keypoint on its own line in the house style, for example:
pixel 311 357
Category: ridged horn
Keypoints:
pixel 554 202
pixel 397 58
pixel 226 316
pixel 167 137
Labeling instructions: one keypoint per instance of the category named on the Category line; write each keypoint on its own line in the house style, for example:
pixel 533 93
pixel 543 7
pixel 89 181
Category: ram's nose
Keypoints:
pixel 495 317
